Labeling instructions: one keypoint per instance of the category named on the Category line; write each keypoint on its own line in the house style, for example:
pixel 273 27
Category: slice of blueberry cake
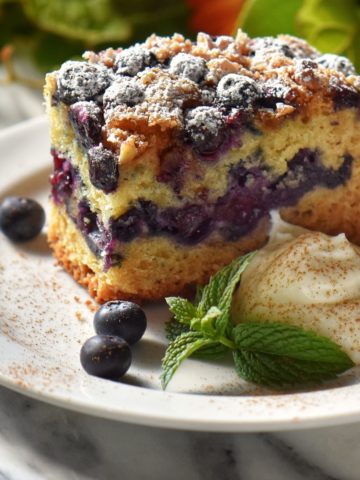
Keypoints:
pixel 170 155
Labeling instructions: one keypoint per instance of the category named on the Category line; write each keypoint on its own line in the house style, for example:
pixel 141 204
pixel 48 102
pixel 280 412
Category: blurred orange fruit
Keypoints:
pixel 217 17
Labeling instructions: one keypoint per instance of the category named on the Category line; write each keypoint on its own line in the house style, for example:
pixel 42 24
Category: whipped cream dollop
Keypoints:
pixel 312 281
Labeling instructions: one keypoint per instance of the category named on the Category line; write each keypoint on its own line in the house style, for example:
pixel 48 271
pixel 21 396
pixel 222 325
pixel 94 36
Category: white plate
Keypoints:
pixel 44 319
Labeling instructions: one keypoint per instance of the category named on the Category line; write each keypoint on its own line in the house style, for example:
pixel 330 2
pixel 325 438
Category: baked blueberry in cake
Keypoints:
pixel 170 155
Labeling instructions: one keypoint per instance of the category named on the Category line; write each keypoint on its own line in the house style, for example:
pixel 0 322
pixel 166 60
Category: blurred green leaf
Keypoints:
pixel 332 26
pixel 153 16
pixel 93 21
pixel 50 51
pixel 13 24
pixel 269 17
pixel 329 24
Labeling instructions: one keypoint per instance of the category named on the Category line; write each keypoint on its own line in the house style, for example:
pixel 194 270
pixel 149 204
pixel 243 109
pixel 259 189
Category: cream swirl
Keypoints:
pixel 312 281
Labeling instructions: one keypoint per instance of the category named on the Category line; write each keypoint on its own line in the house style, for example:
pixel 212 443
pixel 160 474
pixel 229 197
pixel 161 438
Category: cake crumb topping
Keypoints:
pixel 165 82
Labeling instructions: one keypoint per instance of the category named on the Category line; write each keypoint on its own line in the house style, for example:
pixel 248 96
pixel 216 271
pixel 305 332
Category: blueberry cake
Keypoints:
pixel 170 155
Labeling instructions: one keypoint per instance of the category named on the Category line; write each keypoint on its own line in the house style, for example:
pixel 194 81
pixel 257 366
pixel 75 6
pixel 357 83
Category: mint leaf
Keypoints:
pixel 178 350
pixel 183 310
pixel 173 329
pixel 288 340
pixel 280 372
pixel 277 354
pixel 219 291
pixel 213 351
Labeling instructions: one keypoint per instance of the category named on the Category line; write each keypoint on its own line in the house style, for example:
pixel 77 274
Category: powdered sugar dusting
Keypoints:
pixel 239 90
pixel 164 99
pixel 203 124
pixel 132 60
pixel 78 81
pixel 124 91
pixel 338 63
pixel 156 83
pixel 188 66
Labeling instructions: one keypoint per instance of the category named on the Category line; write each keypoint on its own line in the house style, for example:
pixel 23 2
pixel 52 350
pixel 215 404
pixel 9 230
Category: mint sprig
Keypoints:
pixel 280 355
pixel 174 329
pixel 270 354
pixel 181 348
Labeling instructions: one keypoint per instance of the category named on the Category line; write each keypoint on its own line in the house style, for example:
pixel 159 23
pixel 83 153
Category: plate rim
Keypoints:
pixel 310 415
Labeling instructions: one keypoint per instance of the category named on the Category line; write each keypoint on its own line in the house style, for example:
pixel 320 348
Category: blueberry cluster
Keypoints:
pixel 92 90
pixel 251 194
pixel 89 89
pixel 118 325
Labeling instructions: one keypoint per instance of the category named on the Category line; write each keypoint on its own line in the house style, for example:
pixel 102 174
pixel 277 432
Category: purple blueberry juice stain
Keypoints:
pixel 252 193
pixel 188 225
pixel 62 179
pixel 128 226
pixel 173 167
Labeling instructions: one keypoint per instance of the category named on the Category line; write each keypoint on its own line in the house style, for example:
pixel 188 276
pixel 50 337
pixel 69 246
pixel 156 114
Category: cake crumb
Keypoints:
pixel 91 306
pixel 79 316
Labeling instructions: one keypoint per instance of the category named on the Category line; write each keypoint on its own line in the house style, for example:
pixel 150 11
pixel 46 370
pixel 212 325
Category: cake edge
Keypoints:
pixel 69 248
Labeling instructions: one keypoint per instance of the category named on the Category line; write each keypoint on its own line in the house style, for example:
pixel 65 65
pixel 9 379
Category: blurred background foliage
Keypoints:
pixel 50 31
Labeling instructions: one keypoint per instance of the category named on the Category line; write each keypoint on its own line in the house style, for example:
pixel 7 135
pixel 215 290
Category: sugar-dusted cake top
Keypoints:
pixel 196 89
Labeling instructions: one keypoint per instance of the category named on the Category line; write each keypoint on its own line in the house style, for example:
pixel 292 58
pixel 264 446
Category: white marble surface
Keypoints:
pixel 39 441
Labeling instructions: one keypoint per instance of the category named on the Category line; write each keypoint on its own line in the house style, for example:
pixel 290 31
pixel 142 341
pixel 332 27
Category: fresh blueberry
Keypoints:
pixel 79 81
pixel 21 219
pixel 87 119
pixel 338 63
pixel 238 91
pixel 188 66
pixel 123 319
pixel 204 129
pixel 106 356
pixel 133 60
pixel 123 92
pixel 103 169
